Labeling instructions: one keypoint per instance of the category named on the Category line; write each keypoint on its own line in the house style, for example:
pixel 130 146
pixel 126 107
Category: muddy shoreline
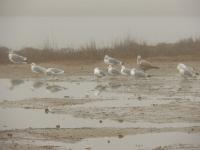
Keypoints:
pixel 162 99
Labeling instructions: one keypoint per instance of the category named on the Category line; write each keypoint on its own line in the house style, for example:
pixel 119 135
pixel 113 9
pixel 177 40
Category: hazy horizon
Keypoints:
pixel 75 23
pixel 99 8
pixel 19 32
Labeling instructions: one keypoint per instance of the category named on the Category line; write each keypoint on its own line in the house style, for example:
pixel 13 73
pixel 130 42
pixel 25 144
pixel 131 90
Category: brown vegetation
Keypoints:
pixel 124 49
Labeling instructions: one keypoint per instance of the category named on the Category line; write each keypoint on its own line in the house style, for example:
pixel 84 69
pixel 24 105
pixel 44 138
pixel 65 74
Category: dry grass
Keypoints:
pixel 124 49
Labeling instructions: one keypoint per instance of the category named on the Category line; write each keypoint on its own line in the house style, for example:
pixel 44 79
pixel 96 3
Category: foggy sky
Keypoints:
pixel 99 7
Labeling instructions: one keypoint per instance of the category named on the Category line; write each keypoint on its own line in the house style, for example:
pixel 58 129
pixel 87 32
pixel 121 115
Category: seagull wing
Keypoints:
pixel 145 65
pixel 39 69
pixel 18 59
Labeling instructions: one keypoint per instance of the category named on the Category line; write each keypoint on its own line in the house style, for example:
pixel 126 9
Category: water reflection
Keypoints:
pixel 15 83
pixel 186 85
pixel 55 88
pixel 18 118
pixel 38 84
pixel 99 89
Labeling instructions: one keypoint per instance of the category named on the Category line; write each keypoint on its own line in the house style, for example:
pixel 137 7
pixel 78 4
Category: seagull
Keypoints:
pixel 185 71
pixel 145 65
pixel 37 69
pixel 54 71
pixel 17 59
pixel 112 71
pixel 98 72
pixel 125 71
pixel 111 61
pixel 138 73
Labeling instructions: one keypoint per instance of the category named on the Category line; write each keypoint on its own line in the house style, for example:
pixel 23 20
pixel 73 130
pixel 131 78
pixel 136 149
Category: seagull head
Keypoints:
pixel 139 57
pixel 110 66
pixel 181 66
pixel 33 64
pixel 96 69
pixel 121 63
pixel 123 67
pixel 106 57
pixel 133 71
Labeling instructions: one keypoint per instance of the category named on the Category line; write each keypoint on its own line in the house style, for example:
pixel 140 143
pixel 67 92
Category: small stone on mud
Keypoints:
pixel 87 96
pixel 88 148
pixel 139 98
pixel 27 107
pixel 46 110
pixel 158 148
pixel 58 126
pixel 121 120
pixel 108 141
pixel 149 76
pixel 120 136
pixel 9 135
pixel 100 121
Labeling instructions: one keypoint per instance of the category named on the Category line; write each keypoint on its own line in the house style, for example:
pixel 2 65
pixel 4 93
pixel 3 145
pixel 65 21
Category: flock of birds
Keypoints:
pixel 139 71
pixel 17 59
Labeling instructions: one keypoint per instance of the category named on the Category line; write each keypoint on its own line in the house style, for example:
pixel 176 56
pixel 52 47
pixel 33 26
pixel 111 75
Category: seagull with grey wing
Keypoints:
pixel 99 73
pixel 186 71
pixel 145 65
pixel 125 71
pixel 37 69
pixel 138 73
pixel 17 59
pixel 111 61
pixel 54 71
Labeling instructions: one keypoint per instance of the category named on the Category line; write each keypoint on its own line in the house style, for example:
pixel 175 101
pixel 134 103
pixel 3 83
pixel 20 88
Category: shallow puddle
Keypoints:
pixel 120 88
pixel 175 140
pixel 17 118
pixel 122 103
pixel 34 88
pixel 141 141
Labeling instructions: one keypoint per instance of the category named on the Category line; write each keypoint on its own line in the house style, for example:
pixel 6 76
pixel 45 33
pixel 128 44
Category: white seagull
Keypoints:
pixel 37 69
pixel 112 71
pixel 98 72
pixel 111 61
pixel 138 73
pixel 54 71
pixel 125 71
pixel 17 59
pixel 185 71
pixel 145 65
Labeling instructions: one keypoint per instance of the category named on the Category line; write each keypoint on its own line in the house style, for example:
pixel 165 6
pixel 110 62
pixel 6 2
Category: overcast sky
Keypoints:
pixel 100 7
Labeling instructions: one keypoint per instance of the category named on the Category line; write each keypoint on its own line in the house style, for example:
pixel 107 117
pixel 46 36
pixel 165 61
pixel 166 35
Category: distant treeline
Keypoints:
pixel 123 49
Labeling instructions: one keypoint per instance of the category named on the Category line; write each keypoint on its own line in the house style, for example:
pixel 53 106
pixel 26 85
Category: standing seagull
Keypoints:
pixel 111 61
pixel 145 65
pixel 37 69
pixel 125 71
pixel 138 73
pixel 98 73
pixel 112 71
pixel 17 59
pixel 54 71
pixel 185 71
